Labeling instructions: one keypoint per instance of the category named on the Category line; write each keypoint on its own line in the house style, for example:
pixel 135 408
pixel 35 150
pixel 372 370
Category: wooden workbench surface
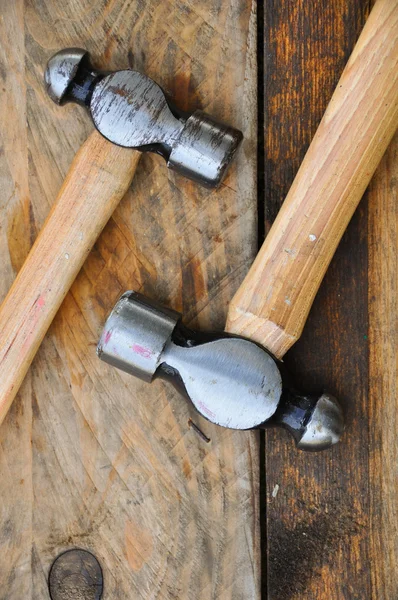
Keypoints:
pixel 330 523
pixel 91 458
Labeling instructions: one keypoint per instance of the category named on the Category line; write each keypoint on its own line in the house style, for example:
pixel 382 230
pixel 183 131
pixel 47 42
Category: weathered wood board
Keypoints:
pixel 330 519
pixel 383 375
pixel 89 457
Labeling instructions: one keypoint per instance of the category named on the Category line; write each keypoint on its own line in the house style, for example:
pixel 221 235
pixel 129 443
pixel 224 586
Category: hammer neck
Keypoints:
pixel 81 88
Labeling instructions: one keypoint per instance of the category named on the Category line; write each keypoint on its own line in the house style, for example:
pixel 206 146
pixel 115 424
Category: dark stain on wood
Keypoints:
pixel 21 232
pixel 193 282
pixel 301 551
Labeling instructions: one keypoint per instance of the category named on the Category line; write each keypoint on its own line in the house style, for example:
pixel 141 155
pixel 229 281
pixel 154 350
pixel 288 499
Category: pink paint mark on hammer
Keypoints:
pixel 206 410
pixel 40 302
pixel 107 337
pixel 144 352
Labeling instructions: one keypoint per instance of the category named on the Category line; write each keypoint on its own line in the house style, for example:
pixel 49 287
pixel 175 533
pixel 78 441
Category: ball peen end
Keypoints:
pixel 325 427
pixel 60 72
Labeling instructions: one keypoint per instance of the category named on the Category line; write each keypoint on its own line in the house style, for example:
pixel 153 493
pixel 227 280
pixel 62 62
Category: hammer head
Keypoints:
pixel 131 110
pixel 230 380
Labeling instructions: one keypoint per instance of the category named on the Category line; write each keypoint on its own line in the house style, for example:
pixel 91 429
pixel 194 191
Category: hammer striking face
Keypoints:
pixel 230 380
pixel 131 110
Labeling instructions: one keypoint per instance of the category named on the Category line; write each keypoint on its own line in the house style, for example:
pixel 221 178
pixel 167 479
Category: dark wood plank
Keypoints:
pixel 383 375
pixel 317 506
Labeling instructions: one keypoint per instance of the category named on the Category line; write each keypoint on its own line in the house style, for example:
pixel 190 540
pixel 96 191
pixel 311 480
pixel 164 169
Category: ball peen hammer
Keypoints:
pixel 237 380
pixel 131 114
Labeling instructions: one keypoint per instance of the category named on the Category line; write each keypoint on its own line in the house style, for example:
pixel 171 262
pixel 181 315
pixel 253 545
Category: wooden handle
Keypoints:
pixel 274 300
pixel 99 177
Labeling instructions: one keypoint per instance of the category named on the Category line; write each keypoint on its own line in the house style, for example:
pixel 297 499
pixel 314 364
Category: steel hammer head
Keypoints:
pixel 131 110
pixel 231 381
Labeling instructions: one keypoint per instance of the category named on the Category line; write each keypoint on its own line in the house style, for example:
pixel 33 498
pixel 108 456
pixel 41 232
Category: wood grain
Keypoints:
pixel 383 336
pixel 99 177
pixel 16 493
pixel 90 457
pixel 273 302
pixel 318 518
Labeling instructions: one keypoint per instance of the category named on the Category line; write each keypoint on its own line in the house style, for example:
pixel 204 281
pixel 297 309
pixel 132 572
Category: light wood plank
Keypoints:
pixel 16 491
pixel 115 467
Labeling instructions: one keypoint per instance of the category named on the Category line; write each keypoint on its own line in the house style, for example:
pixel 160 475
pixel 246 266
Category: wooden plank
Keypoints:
pixel 383 336
pixel 15 238
pixel 317 506
pixel 107 463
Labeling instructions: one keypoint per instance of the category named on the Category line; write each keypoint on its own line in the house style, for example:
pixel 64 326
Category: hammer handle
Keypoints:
pixel 98 178
pixel 274 300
